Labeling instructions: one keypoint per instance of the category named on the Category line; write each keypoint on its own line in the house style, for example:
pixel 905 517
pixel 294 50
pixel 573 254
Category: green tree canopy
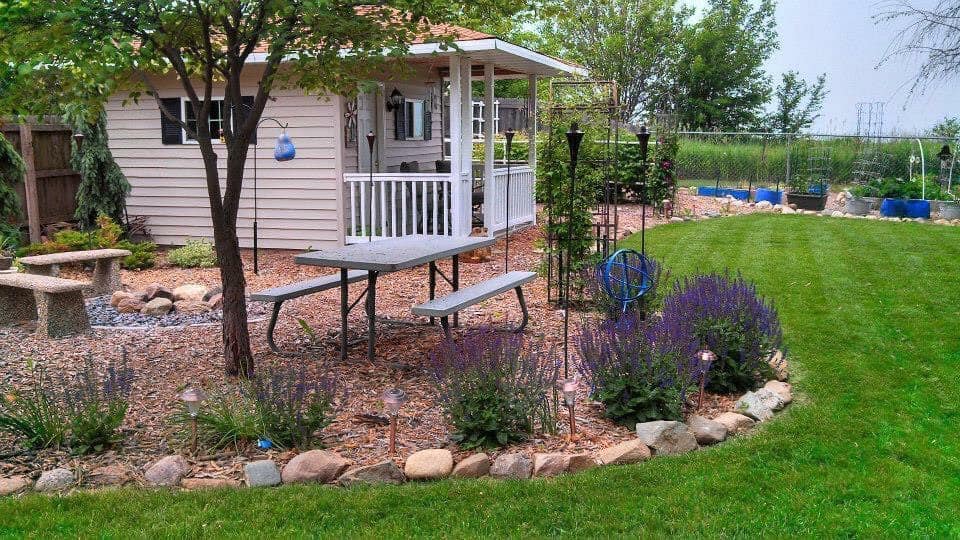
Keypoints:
pixel 798 103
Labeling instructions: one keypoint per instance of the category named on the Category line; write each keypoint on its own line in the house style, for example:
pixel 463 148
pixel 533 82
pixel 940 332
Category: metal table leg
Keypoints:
pixel 371 315
pixel 433 284
pixel 344 312
pixel 456 286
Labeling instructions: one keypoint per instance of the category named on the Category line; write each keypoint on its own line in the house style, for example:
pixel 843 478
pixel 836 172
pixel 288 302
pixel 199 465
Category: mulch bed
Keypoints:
pixel 165 360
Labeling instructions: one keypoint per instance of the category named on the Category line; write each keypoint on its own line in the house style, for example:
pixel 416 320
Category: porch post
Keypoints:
pixel 466 149
pixel 532 122
pixel 456 148
pixel 489 137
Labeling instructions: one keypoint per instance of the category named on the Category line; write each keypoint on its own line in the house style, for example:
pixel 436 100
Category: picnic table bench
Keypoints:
pixel 454 302
pixel 55 303
pixel 106 272
pixel 279 295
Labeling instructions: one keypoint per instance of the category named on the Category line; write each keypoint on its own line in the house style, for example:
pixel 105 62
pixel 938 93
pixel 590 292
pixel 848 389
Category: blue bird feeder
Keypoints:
pixel 284 149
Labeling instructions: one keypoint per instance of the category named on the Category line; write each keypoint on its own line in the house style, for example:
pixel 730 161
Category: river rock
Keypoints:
pixel 632 451
pixel 117 296
pixel 667 437
pixel 55 480
pixel 429 464
pixel 109 475
pixel 385 472
pixel 516 466
pixel 189 291
pixel 130 305
pixel 15 484
pixel 167 471
pixel 707 431
pixel 320 466
pixel 581 462
pixel 782 389
pixel 778 363
pixel 262 473
pixel 158 307
pixel 553 464
pixel 215 301
pixel 214 291
pixel 734 422
pixel 472 466
pixel 759 405
pixel 155 290
pixel 192 307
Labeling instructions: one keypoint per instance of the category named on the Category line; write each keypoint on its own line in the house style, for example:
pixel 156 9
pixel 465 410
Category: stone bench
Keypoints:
pixel 55 303
pixel 279 295
pixel 447 305
pixel 106 272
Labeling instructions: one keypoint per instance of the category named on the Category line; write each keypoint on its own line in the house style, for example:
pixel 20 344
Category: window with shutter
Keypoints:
pixel 170 131
pixel 400 123
pixel 184 110
pixel 427 124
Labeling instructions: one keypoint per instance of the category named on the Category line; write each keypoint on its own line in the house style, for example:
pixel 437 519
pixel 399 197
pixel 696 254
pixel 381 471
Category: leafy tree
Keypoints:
pixel 103 187
pixel 209 45
pixel 720 83
pixel 948 127
pixel 633 42
pixel 798 103
pixel 931 33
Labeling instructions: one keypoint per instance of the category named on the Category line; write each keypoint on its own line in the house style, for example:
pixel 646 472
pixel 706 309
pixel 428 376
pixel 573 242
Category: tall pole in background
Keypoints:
pixel 371 140
pixel 643 138
pixel 574 138
pixel 506 250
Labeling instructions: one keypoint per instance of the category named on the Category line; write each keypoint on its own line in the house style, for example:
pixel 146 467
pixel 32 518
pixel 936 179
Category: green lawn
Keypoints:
pixel 871 446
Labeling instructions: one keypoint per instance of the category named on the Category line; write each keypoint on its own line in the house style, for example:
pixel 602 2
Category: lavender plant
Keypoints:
pixel 96 403
pixel 494 389
pixel 291 404
pixel 726 315
pixel 640 370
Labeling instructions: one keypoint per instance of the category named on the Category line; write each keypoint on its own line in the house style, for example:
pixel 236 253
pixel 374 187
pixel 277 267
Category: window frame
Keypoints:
pixel 184 101
pixel 413 118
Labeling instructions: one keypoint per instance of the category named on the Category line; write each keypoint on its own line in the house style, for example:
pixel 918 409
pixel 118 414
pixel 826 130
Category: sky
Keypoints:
pixel 839 38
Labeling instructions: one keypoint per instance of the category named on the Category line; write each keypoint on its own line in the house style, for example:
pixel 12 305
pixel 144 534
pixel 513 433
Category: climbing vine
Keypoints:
pixel 103 187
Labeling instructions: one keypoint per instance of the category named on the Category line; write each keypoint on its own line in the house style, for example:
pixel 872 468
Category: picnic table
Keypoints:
pixel 385 256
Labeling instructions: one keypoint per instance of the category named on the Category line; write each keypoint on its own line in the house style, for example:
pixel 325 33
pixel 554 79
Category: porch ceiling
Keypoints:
pixel 509 60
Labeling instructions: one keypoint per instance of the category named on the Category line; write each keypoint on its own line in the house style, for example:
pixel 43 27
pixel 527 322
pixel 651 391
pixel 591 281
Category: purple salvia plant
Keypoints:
pixel 292 405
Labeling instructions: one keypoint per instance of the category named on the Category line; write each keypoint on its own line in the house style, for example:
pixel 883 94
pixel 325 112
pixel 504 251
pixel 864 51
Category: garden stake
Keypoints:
pixel 574 138
pixel 643 139
pixel 371 138
pixel 506 248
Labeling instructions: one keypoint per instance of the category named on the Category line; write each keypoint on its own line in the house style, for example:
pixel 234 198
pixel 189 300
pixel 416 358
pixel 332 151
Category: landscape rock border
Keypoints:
pixel 653 439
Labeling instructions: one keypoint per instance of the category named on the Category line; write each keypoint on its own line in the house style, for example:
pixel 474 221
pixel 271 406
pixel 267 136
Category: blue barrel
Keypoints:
pixel 769 195
pixel 893 208
pixel 918 208
pixel 741 194
pixel 706 191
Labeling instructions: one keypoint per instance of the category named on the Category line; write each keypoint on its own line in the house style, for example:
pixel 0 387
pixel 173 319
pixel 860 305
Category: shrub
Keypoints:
pixel 11 237
pixel 195 254
pixel 493 389
pixel 726 315
pixel 74 240
pixel 142 255
pixel 34 414
pixel 96 403
pixel 640 370
pixel 227 418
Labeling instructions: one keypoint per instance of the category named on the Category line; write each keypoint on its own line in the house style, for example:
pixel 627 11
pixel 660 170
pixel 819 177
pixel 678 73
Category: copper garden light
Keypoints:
pixel 705 359
pixel 569 388
pixel 192 398
pixel 393 399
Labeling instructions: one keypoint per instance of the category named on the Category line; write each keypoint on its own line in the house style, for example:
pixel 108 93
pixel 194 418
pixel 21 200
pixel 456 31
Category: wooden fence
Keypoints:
pixel 48 193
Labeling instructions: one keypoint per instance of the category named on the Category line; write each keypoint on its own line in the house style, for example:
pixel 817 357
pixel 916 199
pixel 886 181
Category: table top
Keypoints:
pixel 394 254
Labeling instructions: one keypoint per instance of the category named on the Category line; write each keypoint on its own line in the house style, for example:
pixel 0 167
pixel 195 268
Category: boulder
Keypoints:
pixel 385 472
pixel 472 466
pixel 212 292
pixel 117 296
pixel 55 480
pixel 215 302
pixel 189 291
pixel 208 483
pixel 108 475
pixel 706 431
pixel 667 437
pixel 516 466
pixel 779 365
pixel 167 471
pixel 158 307
pixel 676 219
pixel 632 451
pixel 130 305
pixel 15 484
pixel 787 210
pixel 759 405
pixel 553 464
pixel 262 473
pixel 314 466
pixel 429 464
pixel 764 205
pixel 191 307
pixel 581 462
pixel 155 290
pixel 734 422
pixel 782 389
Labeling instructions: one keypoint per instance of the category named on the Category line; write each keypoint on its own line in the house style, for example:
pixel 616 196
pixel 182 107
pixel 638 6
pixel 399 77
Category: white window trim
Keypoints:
pixel 183 114
pixel 423 108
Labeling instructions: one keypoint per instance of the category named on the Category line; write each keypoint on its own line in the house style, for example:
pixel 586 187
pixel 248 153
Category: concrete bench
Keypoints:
pixel 447 305
pixel 106 272
pixel 56 304
pixel 279 295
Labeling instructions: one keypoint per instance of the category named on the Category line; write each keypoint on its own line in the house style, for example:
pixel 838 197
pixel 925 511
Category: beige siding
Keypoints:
pixel 297 200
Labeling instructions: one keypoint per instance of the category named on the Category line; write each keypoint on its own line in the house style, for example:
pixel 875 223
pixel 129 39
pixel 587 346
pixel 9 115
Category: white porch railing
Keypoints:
pixel 523 208
pixel 399 204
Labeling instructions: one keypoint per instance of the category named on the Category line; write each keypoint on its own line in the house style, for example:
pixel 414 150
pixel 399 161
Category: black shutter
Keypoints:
pixel 170 131
pixel 427 121
pixel 245 108
pixel 400 122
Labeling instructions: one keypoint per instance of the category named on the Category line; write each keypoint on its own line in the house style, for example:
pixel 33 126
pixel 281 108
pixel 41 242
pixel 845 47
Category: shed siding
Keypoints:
pixel 297 200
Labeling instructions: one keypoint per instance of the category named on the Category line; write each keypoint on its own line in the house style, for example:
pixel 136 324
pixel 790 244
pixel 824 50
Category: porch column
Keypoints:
pixel 457 191
pixel 489 148
pixel 532 122
pixel 466 148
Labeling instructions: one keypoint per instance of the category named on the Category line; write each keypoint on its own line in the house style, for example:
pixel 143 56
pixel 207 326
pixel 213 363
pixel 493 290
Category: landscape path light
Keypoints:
pixel 393 400
pixel 705 359
pixel 569 388
pixel 192 398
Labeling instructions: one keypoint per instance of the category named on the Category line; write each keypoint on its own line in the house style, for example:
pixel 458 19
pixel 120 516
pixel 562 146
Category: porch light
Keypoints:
pixel 393 399
pixel 395 101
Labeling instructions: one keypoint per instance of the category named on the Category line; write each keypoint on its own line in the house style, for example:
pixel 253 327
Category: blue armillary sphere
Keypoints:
pixel 625 276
